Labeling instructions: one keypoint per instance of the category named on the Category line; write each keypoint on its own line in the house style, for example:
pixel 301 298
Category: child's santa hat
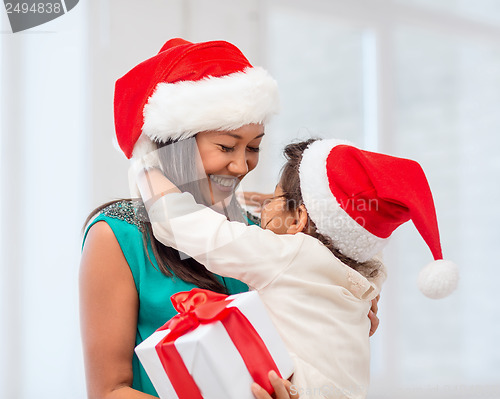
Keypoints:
pixel 188 88
pixel 358 198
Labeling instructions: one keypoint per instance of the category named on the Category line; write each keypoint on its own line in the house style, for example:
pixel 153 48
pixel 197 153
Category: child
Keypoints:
pixel 313 262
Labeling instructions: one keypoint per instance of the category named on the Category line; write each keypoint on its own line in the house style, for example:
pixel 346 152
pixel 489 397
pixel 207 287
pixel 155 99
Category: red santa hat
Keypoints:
pixel 358 198
pixel 188 88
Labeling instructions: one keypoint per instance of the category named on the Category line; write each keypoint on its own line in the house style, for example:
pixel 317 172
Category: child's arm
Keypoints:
pixel 247 253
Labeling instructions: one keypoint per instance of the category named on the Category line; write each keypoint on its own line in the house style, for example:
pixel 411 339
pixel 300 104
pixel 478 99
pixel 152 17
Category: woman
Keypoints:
pixel 208 92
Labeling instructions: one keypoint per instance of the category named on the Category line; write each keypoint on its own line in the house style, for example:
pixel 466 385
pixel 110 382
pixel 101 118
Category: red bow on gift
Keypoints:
pixel 195 307
pixel 200 306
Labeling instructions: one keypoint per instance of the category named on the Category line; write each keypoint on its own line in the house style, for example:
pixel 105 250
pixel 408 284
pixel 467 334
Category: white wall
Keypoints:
pixel 416 79
pixel 44 115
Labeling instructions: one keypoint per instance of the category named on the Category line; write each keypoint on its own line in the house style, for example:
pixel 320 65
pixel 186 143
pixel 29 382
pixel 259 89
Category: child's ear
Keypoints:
pixel 300 221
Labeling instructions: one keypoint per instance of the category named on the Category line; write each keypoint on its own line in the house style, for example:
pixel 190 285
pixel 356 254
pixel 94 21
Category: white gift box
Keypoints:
pixel 212 359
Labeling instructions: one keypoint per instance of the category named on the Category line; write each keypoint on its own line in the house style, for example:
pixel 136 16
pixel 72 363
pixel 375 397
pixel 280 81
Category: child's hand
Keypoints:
pixel 282 389
pixel 253 199
pixel 152 185
pixel 372 315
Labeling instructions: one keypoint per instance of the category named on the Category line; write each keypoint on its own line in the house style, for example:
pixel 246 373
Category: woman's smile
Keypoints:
pixel 227 156
pixel 224 183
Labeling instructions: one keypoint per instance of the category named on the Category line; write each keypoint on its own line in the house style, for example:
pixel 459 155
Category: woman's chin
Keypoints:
pixel 222 197
pixel 222 188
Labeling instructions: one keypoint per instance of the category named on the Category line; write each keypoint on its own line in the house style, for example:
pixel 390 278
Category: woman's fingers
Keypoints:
pixel 259 392
pixel 292 392
pixel 374 322
pixel 372 315
pixel 281 388
pixel 375 304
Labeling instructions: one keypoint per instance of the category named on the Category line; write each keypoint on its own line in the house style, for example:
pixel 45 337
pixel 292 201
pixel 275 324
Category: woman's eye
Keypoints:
pixel 226 149
pixel 253 149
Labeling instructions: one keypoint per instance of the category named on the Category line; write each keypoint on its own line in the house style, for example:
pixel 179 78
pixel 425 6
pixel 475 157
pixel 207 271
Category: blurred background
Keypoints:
pixel 413 78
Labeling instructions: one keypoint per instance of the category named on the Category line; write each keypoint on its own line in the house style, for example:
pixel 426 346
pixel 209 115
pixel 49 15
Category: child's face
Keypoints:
pixel 275 214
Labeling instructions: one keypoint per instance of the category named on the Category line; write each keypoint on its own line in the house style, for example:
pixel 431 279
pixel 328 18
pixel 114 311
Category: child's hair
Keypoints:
pixel 290 184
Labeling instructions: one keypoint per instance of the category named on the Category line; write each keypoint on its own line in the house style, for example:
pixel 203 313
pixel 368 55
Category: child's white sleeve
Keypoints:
pixel 233 249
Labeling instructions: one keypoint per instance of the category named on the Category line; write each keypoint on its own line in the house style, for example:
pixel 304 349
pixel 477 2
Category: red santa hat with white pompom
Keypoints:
pixel 189 88
pixel 358 198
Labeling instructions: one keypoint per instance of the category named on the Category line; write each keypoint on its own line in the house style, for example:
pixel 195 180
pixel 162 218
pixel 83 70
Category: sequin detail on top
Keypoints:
pixel 253 218
pixel 130 211
pixel 247 215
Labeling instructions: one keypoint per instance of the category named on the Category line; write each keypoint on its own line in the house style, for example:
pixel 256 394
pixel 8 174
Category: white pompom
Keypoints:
pixel 438 279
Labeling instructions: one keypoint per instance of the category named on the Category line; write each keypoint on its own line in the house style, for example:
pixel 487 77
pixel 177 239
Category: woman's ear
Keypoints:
pixel 299 223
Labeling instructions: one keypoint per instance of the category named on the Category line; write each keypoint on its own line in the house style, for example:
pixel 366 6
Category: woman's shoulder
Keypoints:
pixel 131 212
pixel 119 227
pixel 101 242
pixel 127 214
pixel 125 219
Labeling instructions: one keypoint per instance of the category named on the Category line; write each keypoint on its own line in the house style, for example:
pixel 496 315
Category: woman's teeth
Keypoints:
pixel 223 181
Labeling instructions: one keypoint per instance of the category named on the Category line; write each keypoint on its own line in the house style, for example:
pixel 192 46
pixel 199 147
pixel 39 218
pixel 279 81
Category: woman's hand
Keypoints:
pixel 372 315
pixel 282 388
pixel 254 199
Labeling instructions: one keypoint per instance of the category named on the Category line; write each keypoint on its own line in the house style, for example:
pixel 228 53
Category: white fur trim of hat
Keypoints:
pixel 349 237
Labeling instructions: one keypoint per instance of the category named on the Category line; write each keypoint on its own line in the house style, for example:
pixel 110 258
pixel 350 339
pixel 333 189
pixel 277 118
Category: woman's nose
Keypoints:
pixel 238 165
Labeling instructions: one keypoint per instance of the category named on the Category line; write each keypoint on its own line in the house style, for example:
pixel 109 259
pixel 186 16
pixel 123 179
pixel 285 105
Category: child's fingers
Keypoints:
pixel 253 198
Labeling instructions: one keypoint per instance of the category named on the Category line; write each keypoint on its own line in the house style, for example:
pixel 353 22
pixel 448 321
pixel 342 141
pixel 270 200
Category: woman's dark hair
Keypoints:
pixel 290 184
pixel 181 164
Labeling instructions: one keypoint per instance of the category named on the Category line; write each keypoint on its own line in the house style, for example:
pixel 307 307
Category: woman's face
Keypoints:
pixel 228 156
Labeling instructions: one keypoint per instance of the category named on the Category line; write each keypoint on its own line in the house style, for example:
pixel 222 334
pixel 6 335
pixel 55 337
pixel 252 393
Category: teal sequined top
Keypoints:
pixel 154 288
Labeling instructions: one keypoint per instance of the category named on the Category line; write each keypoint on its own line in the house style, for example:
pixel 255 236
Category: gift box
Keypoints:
pixel 214 348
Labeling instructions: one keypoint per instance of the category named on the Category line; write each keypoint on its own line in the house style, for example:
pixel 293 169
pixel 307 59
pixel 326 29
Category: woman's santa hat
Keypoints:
pixel 188 88
pixel 358 198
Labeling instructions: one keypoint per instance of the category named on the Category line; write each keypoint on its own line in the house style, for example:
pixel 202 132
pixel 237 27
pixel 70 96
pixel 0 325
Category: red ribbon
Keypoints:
pixel 200 306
